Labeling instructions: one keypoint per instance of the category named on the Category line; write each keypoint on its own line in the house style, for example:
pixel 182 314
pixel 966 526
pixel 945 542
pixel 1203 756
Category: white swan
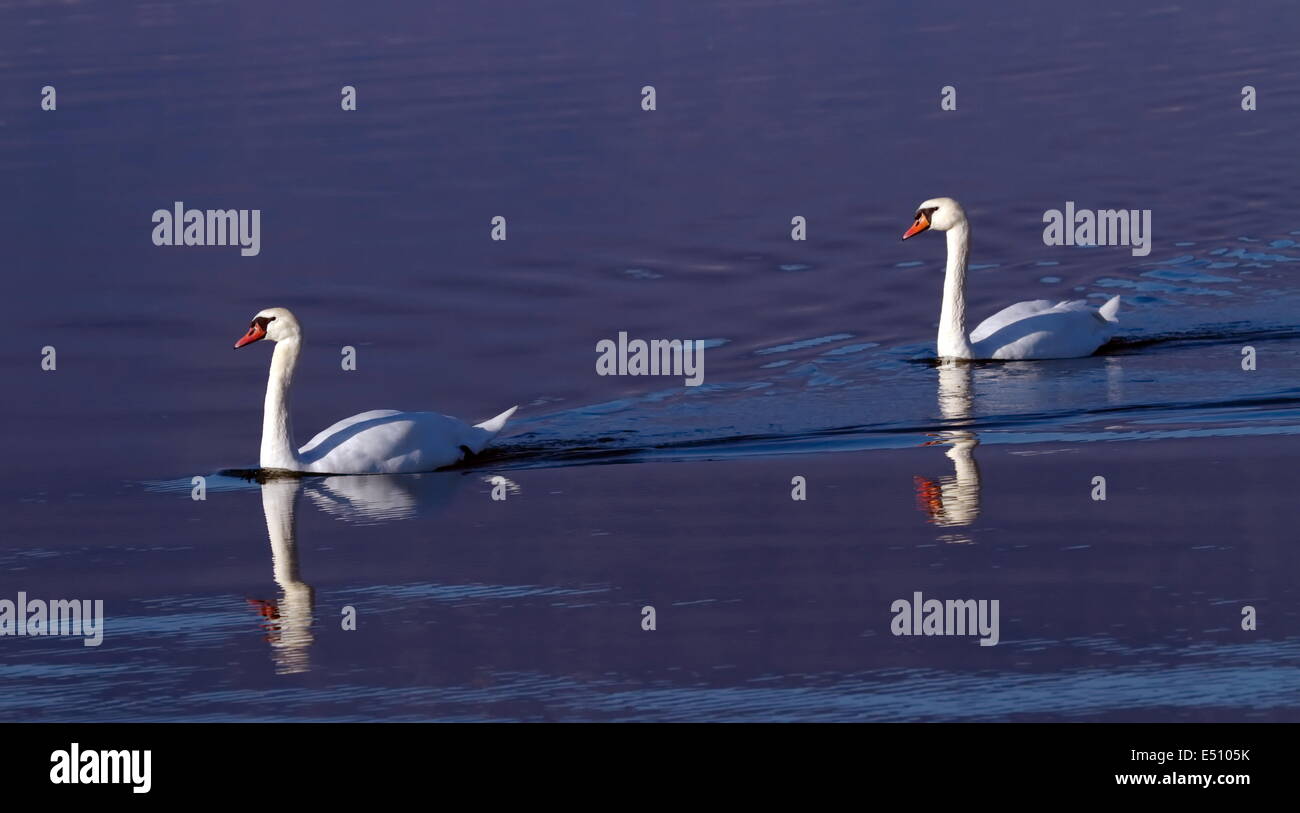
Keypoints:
pixel 382 441
pixel 1038 329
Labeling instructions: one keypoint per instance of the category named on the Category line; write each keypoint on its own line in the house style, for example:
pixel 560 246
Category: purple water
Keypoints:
pixel 672 223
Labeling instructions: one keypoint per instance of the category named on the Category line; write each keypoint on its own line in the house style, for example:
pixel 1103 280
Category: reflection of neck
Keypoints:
pixel 954 391
pixel 967 471
pixel 277 430
pixel 952 318
pixel 961 492
pixel 959 502
pixel 279 504
pixel 292 631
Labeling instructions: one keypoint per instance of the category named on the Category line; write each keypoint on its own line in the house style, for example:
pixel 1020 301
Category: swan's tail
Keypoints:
pixel 1110 311
pixel 482 433
pixel 495 425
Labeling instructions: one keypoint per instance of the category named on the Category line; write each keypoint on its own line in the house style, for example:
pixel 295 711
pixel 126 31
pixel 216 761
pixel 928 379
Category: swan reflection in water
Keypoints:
pixel 364 500
pixel 953 500
pixel 288 621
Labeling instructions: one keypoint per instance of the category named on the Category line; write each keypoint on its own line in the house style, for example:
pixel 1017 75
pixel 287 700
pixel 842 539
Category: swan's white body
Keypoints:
pixel 382 441
pixel 1037 329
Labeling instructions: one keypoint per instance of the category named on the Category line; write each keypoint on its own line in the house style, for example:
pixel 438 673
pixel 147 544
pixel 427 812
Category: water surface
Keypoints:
pixel 627 492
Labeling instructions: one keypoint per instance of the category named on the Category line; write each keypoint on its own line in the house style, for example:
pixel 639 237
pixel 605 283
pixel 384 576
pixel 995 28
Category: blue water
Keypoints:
pixel 626 492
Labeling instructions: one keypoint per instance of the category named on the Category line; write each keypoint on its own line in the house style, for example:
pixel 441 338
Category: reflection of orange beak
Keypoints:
pixel 929 496
pixel 266 609
pixel 254 333
pixel 922 223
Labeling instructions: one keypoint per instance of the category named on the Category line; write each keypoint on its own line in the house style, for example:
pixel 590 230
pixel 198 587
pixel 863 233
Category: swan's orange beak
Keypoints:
pixel 922 223
pixel 254 333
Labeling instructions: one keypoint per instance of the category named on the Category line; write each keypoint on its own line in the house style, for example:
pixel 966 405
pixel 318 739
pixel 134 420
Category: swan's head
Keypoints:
pixel 939 214
pixel 276 324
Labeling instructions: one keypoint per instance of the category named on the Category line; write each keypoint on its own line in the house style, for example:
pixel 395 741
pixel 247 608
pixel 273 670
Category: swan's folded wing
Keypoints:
pixel 1071 329
pixel 385 441
pixel 337 428
pixel 1010 314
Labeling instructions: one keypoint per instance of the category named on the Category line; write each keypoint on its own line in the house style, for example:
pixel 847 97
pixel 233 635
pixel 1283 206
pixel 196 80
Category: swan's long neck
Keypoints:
pixel 278 451
pixel 952 318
